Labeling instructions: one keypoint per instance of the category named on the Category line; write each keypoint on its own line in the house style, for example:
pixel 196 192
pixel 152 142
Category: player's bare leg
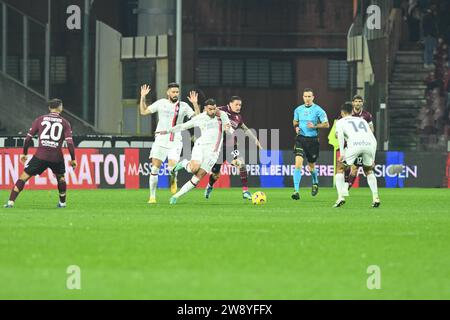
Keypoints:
pixel 314 178
pixel 173 176
pixel 153 183
pixel 297 177
pixel 17 189
pixel 198 174
pixel 62 188
pixel 340 185
pixel 244 179
pixel 215 175
pixel 351 174
pixel 372 182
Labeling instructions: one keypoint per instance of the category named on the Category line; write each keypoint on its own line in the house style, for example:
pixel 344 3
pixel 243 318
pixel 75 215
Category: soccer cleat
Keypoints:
pixel 173 200
pixel 246 195
pixel 61 205
pixel 339 203
pixel 9 205
pixel 315 190
pixel 376 203
pixel 295 196
pixel 208 191
pixel 173 184
pixel 177 168
pixel 152 200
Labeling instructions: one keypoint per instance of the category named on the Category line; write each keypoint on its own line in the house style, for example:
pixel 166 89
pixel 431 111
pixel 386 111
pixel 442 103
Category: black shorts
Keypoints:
pixel 37 166
pixel 307 147
pixel 225 155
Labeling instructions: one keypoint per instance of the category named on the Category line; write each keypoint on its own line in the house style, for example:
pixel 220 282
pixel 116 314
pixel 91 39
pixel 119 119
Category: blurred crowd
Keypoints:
pixel 428 24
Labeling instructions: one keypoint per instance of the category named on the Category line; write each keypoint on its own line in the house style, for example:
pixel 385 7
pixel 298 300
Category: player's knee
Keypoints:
pixel 216 175
pixel 368 170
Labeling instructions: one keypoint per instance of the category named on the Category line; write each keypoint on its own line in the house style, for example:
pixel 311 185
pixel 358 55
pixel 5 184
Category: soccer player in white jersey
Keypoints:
pixel 206 151
pixel 360 143
pixel 171 112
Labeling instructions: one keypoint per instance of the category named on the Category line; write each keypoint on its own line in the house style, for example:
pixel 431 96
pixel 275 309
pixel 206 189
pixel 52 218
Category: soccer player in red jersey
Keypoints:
pixel 358 111
pixel 233 111
pixel 52 130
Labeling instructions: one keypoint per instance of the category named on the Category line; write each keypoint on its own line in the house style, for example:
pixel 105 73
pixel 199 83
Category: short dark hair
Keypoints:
pixel 308 90
pixel 173 85
pixel 54 103
pixel 347 108
pixel 358 97
pixel 234 98
pixel 210 102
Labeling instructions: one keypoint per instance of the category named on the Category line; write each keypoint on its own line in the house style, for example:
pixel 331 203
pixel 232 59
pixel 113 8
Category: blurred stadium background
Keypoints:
pixel 266 51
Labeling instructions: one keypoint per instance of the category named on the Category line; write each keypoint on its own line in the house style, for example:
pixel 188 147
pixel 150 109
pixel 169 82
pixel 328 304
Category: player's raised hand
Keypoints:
pixel 73 164
pixel 145 90
pixel 23 158
pixel 193 97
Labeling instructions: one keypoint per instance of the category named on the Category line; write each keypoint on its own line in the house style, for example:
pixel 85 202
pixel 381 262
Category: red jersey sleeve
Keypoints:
pixel 31 133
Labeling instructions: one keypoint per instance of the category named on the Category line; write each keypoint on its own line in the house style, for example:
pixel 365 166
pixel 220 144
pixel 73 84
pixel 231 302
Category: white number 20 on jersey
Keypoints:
pixel 51 131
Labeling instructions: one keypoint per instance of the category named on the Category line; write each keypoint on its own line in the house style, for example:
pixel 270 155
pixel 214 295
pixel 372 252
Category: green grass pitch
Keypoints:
pixel 226 248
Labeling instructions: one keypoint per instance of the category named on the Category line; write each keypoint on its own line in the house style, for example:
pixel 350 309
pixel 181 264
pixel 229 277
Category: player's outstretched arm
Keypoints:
pixel 143 108
pixel 250 134
pixel 29 140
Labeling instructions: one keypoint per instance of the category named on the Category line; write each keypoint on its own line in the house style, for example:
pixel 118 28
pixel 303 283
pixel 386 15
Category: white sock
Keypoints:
pixel 188 186
pixel 340 185
pixel 186 165
pixel 346 185
pixel 372 182
pixel 153 181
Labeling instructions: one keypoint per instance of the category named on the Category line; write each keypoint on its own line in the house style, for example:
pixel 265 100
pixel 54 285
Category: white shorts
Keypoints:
pixel 162 152
pixel 367 152
pixel 205 155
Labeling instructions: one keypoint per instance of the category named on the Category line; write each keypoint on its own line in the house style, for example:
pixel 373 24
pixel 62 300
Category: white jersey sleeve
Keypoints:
pixel 155 106
pixel 188 112
pixel 194 122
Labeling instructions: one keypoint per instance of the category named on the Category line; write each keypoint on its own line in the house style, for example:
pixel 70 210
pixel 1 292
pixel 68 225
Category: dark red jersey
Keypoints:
pixel 235 118
pixel 366 115
pixel 52 130
pixel 236 121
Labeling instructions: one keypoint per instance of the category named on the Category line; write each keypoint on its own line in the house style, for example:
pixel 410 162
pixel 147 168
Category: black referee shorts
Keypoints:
pixel 37 166
pixel 307 148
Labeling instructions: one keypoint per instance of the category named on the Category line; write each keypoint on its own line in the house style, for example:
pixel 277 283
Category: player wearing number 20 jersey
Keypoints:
pixel 52 129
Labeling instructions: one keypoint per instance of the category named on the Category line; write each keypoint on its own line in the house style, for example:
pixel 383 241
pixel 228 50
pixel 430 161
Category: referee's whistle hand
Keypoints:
pixel 311 125
pixel 297 130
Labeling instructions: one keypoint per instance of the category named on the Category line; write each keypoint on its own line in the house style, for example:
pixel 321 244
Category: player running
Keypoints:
pixel 233 111
pixel 171 112
pixel 360 141
pixel 206 148
pixel 52 130
pixel 308 119
pixel 358 111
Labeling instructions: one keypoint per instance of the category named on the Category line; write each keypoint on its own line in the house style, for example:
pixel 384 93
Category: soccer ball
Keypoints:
pixel 259 197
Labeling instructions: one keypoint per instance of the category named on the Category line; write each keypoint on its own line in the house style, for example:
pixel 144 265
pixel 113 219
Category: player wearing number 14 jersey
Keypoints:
pixel 361 142
pixel 52 130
